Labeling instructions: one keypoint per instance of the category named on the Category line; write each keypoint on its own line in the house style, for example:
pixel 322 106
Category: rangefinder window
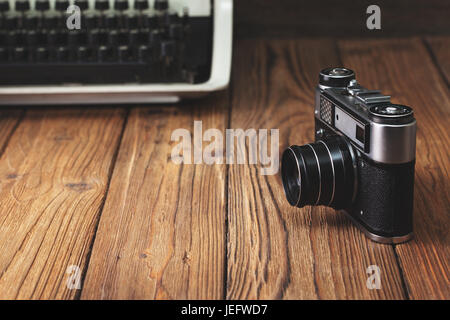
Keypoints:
pixel 360 134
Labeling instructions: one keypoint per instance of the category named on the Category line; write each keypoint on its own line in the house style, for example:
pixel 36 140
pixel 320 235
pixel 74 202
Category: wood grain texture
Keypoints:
pixel 330 18
pixel 403 69
pixel 53 178
pixel 9 119
pixel 168 231
pixel 276 251
pixel 440 52
pixel 162 231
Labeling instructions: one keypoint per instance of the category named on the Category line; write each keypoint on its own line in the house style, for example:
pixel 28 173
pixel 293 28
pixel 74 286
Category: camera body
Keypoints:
pixel 362 160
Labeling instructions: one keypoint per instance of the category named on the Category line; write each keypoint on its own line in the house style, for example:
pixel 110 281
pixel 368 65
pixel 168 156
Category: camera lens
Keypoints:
pixel 321 173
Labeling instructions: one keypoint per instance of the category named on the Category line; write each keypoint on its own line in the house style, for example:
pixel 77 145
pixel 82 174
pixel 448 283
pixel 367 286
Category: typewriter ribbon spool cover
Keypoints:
pixel 124 51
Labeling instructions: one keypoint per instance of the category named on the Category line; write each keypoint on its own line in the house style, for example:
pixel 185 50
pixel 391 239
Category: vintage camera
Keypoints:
pixel 362 161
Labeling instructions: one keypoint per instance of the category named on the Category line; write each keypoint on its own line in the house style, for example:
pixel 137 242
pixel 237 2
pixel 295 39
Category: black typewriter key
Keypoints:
pixel 105 54
pixel 11 21
pixel 73 54
pixel 144 54
pixel 82 37
pixel 102 36
pixel 168 19
pixel 62 54
pixel 123 53
pixel 161 5
pixel 176 31
pixel 143 36
pixel 31 38
pixel 185 17
pixel 20 54
pixel 83 54
pixel 3 54
pixel 31 21
pixel 82 4
pixel 149 21
pixel 73 38
pixel 4 6
pixel 102 53
pixel 41 54
pixel 154 37
pixel 92 20
pixel 41 37
pixel 174 18
pixel 42 5
pixel 12 38
pixel 102 5
pixel 51 56
pixel 61 5
pixel 51 20
pixel 111 21
pixel 141 4
pixel 94 37
pixel 131 21
pixel 133 37
pixel 52 37
pixel 121 5
pixel 22 5
pixel 165 19
pixel 123 37
pixel 21 38
pixel 168 48
pixel 63 37
pixel 113 38
pixel 167 56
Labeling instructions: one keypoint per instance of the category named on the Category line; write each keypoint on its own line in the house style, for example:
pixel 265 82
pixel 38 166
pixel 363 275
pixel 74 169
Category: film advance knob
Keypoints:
pixel 336 77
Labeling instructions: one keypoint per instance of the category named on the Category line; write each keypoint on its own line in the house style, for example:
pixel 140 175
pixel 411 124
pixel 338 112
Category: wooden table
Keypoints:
pixel 90 193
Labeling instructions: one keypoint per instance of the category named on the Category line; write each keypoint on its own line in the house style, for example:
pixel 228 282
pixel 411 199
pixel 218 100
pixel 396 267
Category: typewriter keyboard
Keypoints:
pixel 103 42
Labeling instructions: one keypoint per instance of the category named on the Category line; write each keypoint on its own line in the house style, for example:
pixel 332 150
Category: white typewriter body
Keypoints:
pixel 222 14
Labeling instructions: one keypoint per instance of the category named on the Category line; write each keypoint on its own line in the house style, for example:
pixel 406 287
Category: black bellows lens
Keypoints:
pixel 321 173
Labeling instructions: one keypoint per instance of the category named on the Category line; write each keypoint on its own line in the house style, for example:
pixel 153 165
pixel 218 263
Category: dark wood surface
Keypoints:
pixel 95 188
pixel 439 48
pixel 303 18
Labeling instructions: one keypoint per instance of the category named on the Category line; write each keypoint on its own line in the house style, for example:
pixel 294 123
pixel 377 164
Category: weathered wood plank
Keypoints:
pixel 440 47
pixel 9 119
pixel 275 250
pixel 403 69
pixel 162 231
pixel 53 178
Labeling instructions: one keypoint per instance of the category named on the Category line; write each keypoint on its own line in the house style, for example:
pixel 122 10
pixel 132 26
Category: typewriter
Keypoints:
pixel 113 51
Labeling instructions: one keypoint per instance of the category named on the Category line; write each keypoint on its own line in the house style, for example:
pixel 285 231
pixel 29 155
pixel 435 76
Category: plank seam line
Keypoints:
pixel 11 133
pixel 435 61
pixel 102 205
pixel 400 269
pixel 227 198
